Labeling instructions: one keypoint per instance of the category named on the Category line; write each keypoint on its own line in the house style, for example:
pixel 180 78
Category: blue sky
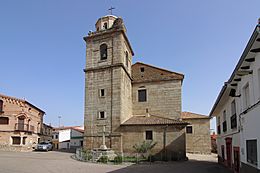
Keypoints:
pixel 42 52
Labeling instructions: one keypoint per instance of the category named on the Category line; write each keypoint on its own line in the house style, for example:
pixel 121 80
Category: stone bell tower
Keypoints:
pixel 108 89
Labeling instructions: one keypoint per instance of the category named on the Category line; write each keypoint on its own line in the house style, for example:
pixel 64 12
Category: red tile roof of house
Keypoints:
pixel 190 115
pixel 151 74
pixel 20 102
pixel 152 120
pixel 78 128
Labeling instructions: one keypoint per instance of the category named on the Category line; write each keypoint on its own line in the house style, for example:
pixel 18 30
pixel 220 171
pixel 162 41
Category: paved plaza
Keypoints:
pixel 58 162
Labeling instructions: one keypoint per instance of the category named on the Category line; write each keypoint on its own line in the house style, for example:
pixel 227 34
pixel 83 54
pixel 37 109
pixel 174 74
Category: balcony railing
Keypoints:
pixel 24 127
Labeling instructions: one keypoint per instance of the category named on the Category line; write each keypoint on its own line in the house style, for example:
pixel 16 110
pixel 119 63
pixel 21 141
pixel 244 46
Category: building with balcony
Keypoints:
pixel 20 124
pixel 46 133
pixel 237 112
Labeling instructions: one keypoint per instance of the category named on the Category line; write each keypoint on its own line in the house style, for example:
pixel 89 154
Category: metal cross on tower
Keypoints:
pixel 111 10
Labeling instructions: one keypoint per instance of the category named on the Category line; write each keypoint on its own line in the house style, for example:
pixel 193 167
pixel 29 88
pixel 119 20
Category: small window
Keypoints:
pixel 16 140
pixel 1 106
pixel 57 137
pixel 219 130
pixel 4 120
pixel 24 140
pixel 251 151
pixel 142 95
pixel 149 135
pixel 105 26
pixel 103 52
pixel 233 121
pixel 102 92
pixel 126 59
pixel 142 69
pixel 102 115
pixel 189 129
pixel 224 115
pixel 224 124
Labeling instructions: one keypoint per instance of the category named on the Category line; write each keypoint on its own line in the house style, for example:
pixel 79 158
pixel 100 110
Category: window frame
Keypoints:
pixel 253 151
pixel 102 93
pixel 139 99
pixel 6 120
pixel 103 51
pixel 149 135
pixel 99 115
pixel 233 118
pixel 16 143
pixel 1 106
pixel 187 131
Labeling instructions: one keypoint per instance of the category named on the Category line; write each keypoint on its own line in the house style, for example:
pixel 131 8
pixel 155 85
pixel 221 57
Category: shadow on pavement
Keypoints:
pixel 191 166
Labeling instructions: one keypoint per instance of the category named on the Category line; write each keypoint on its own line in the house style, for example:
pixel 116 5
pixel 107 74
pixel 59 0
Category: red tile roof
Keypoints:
pixel 19 101
pixel 190 115
pixel 152 73
pixel 78 128
pixel 152 120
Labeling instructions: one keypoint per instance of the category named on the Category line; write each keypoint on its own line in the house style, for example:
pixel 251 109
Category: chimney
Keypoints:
pixel 147 113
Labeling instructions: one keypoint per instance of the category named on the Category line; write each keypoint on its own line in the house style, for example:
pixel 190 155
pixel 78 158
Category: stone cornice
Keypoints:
pixel 105 67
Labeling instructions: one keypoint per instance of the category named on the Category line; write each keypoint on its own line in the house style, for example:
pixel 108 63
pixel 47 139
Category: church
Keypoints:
pixel 129 103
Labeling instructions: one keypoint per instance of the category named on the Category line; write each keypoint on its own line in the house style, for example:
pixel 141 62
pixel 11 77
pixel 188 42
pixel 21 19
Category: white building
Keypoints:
pixel 68 137
pixel 237 112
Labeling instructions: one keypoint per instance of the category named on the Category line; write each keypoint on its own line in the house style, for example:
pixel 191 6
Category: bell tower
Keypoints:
pixel 108 89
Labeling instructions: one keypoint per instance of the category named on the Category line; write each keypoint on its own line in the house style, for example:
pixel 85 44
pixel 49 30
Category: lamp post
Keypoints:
pixel 59 120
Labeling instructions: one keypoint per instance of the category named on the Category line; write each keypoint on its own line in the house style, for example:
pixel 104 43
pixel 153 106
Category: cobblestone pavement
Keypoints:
pixel 57 162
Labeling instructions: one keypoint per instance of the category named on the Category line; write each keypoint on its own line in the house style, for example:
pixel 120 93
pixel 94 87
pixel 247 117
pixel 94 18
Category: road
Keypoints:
pixel 58 162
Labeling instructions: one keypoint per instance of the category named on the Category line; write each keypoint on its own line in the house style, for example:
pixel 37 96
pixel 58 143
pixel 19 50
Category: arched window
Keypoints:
pixel 4 120
pixel 126 58
pixel 105 26
pixel 103 51
pixel 1 106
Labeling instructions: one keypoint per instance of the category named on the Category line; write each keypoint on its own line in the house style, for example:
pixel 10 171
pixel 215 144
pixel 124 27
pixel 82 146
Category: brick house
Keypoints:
pixel 20 124
pixel 134 103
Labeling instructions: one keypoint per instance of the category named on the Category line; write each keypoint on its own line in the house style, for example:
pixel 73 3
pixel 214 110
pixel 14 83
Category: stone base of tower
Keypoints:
pixel 113 142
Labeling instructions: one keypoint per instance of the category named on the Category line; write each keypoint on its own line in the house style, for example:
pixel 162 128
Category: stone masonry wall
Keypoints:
pixel 175 139
pixel 163 99
pixel 199 141
pixel 118 98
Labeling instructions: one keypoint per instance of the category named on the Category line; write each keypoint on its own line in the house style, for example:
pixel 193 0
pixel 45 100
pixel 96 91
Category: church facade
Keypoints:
pixel 130 103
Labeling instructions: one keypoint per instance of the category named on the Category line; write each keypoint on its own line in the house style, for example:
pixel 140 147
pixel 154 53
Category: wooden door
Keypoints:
pixel 229 151
pixel 236 160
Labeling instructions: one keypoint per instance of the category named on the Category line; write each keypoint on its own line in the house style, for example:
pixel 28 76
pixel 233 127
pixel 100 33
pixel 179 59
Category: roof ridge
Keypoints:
pixel 14 98
pixel 164 117
pixel 159 68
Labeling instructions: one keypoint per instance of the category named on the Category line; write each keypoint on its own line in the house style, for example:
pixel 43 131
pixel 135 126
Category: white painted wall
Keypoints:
pixel 232 133
pixel 64 135
pixel 76 137
pixel 250 121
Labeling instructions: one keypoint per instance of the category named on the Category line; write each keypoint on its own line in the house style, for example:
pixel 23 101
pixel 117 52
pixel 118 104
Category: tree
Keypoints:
pixel 144 148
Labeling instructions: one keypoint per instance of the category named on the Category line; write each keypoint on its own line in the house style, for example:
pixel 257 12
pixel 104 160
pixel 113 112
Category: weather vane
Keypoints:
pixel 111 10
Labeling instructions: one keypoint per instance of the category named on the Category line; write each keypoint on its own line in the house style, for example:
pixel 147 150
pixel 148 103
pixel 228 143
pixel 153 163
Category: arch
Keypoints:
pixel 103 51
